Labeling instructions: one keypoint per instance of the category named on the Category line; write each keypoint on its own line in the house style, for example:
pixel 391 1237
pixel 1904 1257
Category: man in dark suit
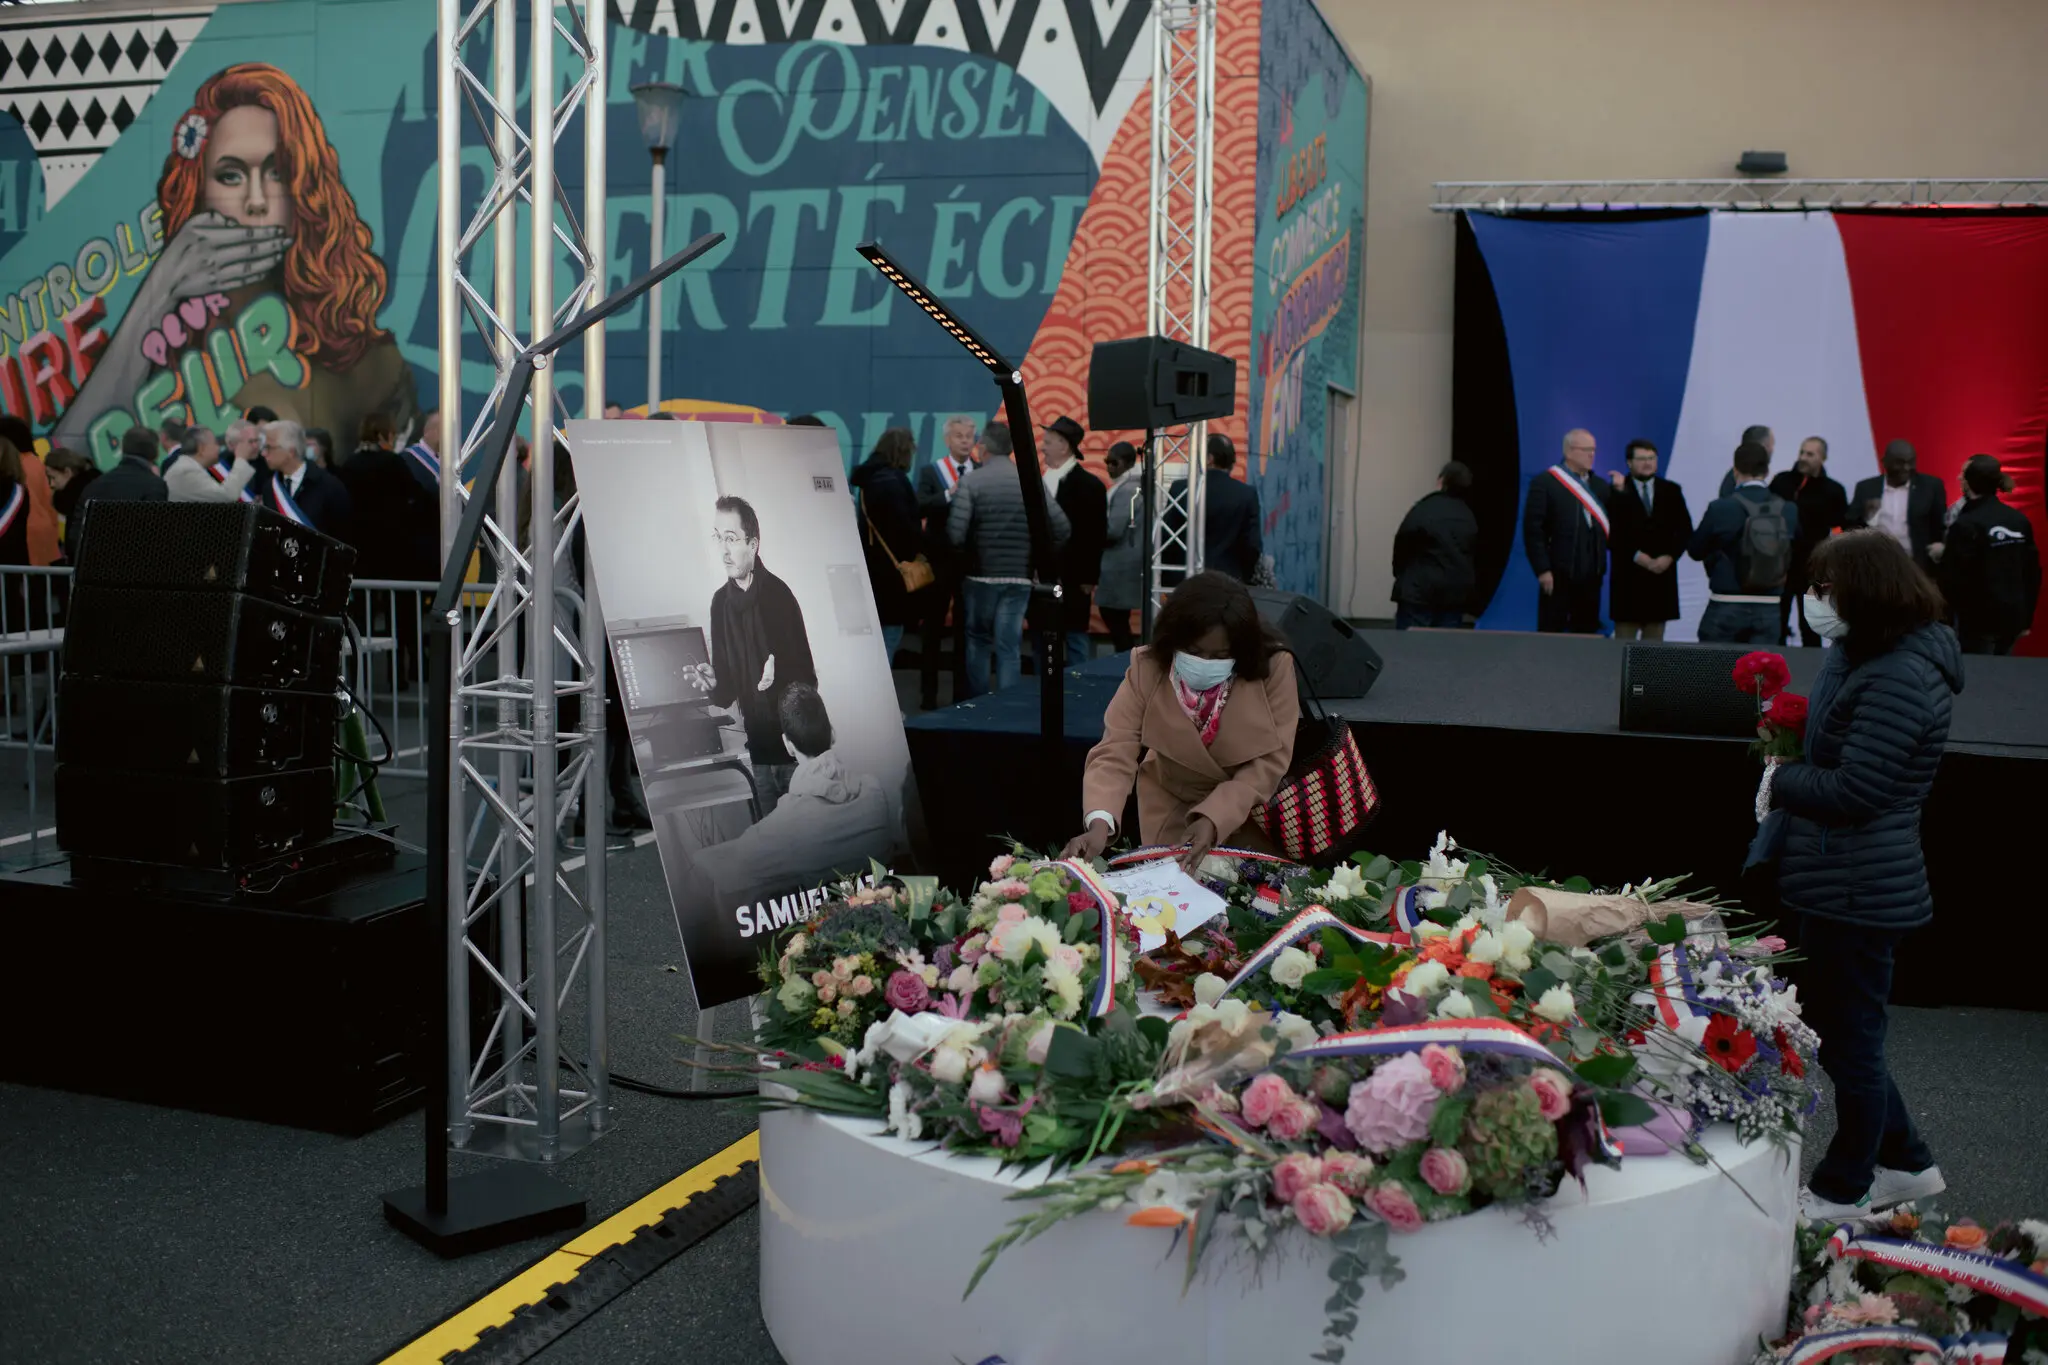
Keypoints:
pixel 934 486
pixel 1909 506
pixel 171 437
pixel 134 479
pixel 1651 526
pixel 1759 435
pixel 292 485
pixel 1086 502
pixel 1564 533
pixel 1822 505
pixel 1231 540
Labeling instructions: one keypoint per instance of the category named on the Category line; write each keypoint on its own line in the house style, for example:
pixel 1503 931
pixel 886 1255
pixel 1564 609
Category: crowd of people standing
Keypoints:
pixel 1625 533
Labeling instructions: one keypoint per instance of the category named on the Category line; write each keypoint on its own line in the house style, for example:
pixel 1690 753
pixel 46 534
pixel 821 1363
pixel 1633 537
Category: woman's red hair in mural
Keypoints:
pixel 332 281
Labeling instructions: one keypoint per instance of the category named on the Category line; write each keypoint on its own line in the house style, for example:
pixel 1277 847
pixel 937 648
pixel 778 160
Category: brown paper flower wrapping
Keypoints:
pixel 1576 918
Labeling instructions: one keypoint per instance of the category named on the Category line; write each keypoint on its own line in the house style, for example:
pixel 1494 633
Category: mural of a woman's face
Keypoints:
pixel 244 179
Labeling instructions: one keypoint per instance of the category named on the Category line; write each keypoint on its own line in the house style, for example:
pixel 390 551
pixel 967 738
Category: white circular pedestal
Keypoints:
pixel 867 1242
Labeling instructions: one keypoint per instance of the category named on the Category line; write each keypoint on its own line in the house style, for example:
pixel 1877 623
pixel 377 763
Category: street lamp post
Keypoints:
pixel 661 112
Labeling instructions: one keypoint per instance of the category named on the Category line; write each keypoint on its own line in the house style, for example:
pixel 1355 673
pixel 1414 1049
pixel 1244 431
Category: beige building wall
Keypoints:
pixel 1607 89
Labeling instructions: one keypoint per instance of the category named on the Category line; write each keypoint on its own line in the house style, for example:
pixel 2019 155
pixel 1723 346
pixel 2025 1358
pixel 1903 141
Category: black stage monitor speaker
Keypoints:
pixel 192 821
pixel 198 729
pixel 199 637
pixel 1150 383
pixel 217 547
pixel 1336 658
pixel 1684 690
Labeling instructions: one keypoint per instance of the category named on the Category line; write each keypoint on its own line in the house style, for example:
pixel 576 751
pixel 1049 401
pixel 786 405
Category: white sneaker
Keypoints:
pixel 1890 1187
pixel 1819 1210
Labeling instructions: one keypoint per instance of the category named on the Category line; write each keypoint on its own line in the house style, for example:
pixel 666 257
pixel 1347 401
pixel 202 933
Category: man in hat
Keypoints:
pixel 1086 502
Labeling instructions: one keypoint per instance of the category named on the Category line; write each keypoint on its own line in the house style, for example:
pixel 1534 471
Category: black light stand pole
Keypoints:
pixel 1146 606
pixel 508 1201
pixel 1046 598
pixel 1047 610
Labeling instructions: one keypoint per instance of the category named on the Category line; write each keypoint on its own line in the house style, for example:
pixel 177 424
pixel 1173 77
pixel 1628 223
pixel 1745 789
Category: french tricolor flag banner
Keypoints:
pixel 1683 329
pixel 1313 920
pixel 1109 920
pixel 1473 1035
pixel 2002 1279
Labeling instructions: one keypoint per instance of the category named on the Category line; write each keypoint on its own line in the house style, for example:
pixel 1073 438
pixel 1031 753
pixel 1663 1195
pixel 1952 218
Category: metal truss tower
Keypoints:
pixel 530 637
pixel 1177 259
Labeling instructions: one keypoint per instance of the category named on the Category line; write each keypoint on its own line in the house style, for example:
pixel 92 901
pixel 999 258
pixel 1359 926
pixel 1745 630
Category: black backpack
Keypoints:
pixel 1763 552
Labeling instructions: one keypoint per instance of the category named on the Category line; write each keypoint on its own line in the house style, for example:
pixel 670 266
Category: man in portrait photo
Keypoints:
pixel 758 648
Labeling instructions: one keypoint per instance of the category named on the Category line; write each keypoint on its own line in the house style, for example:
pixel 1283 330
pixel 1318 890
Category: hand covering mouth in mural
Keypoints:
pixel 267 291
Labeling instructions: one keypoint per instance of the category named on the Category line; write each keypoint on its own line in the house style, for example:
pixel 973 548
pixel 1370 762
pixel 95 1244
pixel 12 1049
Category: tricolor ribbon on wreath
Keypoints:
pixel 1404 908
pixel 2002 1279
pixel 1976 1348
pixel 1153 852
pixel 1313 920
pixel 1108 913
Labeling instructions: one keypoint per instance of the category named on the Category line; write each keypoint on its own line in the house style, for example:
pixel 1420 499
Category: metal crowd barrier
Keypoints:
pixel 384 666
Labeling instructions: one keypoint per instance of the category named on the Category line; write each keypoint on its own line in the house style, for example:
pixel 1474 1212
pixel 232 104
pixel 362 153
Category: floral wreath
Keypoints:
pixel 190 135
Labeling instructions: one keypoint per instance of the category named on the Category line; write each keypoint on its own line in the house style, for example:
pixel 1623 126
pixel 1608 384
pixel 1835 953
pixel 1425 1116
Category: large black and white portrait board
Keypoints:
pixel 750 662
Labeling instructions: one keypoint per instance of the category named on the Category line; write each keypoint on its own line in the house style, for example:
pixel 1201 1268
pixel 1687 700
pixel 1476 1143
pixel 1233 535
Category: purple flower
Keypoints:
pixel 1005 1129
pixel 1330 1124
pixel 906 991
pixel 945 959
pixel 1402 1008
pixel 952 1006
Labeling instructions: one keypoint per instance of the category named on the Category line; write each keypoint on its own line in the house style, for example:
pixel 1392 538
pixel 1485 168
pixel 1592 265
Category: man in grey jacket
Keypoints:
pixel 196 474
pixel 987 521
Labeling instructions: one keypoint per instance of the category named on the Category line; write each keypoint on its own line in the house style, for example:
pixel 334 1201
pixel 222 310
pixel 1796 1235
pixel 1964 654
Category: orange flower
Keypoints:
pixel 1966 1236
pixel 1134 1167
pixel 1905 1222
pixel 2040 1267
pixel 1361 998
pixel 1478 971
pixel 1158 1216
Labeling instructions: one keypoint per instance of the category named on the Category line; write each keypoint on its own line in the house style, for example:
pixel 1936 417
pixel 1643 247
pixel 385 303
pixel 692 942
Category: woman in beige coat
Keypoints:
pixel 1203 723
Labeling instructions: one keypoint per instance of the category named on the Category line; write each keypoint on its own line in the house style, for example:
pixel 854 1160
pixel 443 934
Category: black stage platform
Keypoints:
pixel 305 1009
pixel 1512 742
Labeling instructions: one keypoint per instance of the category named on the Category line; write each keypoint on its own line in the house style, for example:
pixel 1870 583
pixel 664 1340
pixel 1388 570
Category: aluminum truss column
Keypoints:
pixel 596 775
pixel 509 784
pixel 1177 260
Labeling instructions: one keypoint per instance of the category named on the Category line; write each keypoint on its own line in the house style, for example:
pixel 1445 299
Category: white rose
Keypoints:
pixel 1209 988
pixel 1177 1036
pixel 1426 979
pixel 797 944
pixel 1012 941
pixel 986 1087
pixel 1346 883
pixel 1456 1005
pixel 949 1066
pixel 1040 1043
pixel 1291 966
pixel 1557 1005
pixel 1233 1015
pixel 962 979
pixel 797 995
pixel 1217 868
pixel 1516 939
pixel 1485 948
pixel 1294 1030
pixel 1433 898
pixel 1428 930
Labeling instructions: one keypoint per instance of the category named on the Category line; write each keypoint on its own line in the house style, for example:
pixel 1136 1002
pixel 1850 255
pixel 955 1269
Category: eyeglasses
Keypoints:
pixel 731 540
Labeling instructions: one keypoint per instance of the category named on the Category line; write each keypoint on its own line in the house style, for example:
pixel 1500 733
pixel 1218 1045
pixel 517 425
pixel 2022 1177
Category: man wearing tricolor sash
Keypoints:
pixel 935 485
pixel 294 488
pixel 1564 533
pixel 198 474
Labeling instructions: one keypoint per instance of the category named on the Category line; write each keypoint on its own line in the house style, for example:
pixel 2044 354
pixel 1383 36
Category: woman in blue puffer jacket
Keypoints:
pixel 1852 867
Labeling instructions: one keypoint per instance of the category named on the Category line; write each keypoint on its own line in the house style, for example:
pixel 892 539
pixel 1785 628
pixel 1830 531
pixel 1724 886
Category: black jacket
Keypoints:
pixel 321 497
pixel 1086 503
pixel 1823 505
pixel 746 629
pixel 396 526
pixel 132 480
pixel 1875 732
pixel 1231 540
pixel 1720 531
pixel 1559 536
pixel 1665 529
pixel 1991 570
pixel 1926 510
pixel 887 511
pixel 1433 551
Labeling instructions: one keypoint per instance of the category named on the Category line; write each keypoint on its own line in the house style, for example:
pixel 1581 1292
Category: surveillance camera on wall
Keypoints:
pixel 1761 163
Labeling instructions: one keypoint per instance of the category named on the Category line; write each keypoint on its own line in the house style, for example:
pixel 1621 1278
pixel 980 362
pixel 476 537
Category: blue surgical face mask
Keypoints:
pixel 1202 674
pixel 1825 620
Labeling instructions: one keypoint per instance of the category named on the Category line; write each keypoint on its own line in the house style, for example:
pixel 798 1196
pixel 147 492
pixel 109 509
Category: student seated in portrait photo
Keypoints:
pixel 832 819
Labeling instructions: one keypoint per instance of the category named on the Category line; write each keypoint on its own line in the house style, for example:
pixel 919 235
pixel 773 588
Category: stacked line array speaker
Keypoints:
pixel 202 650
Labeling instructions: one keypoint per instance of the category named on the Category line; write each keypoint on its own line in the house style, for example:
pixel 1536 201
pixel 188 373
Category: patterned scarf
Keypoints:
pixel 1205 709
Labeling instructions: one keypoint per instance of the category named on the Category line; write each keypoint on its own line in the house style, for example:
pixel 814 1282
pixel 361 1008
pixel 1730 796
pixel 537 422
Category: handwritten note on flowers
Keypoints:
pixel 1159 896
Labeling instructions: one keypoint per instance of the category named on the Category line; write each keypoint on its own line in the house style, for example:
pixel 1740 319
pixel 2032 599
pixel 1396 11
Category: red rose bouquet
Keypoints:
pixel 1780 715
